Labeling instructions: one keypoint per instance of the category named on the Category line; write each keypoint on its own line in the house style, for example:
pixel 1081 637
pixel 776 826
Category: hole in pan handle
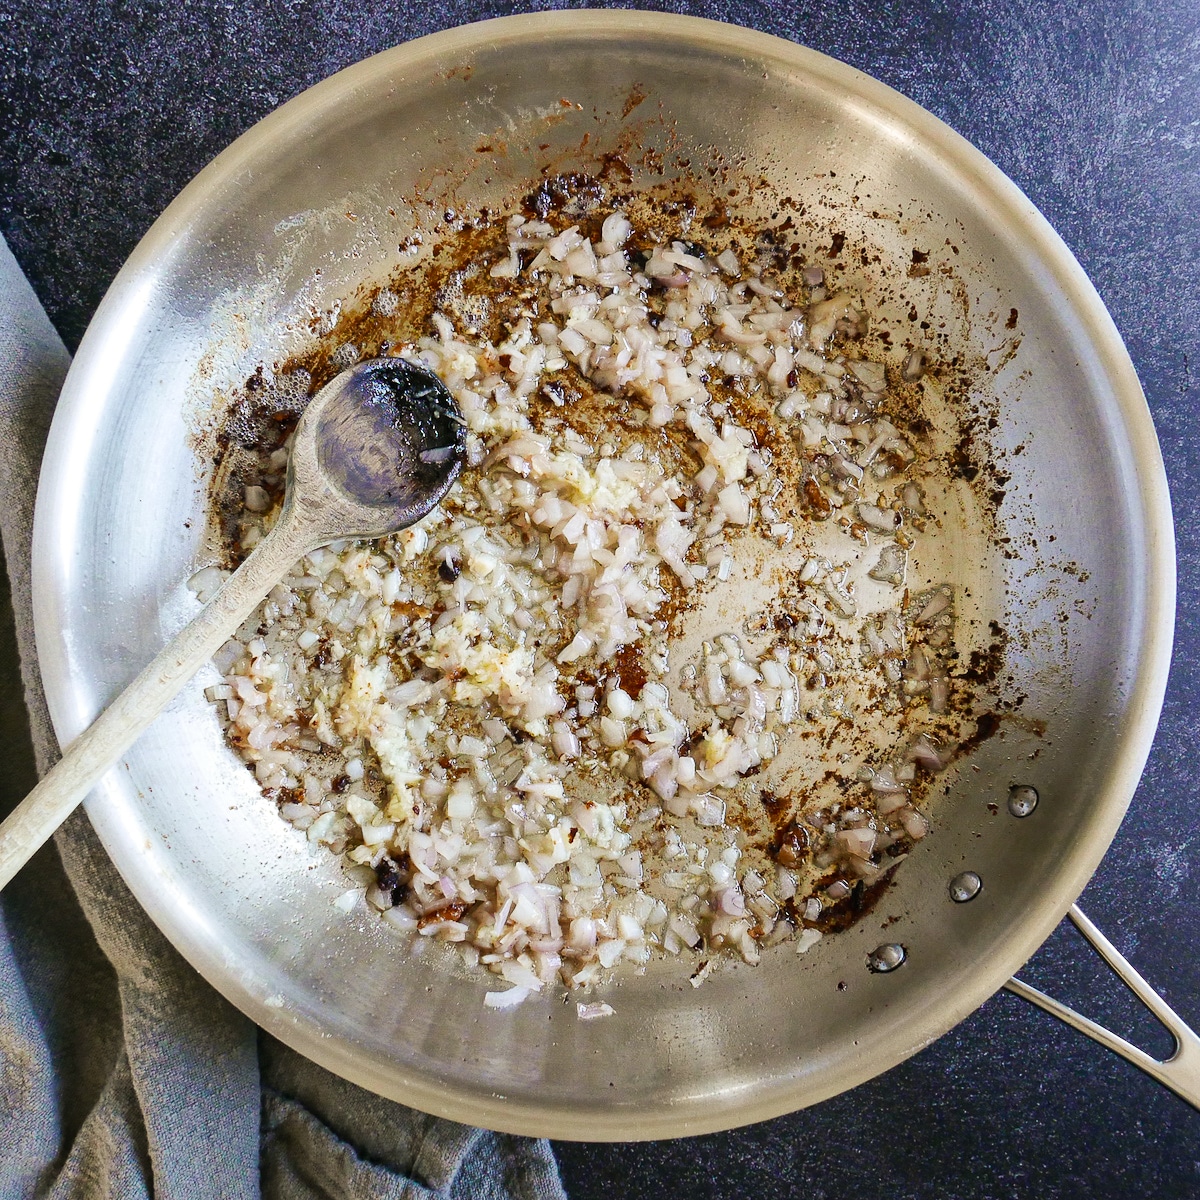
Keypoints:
pixel 1180 1072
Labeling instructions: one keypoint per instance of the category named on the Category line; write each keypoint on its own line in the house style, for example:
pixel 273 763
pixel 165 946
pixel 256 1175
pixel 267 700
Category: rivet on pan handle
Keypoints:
pixel 1180 1072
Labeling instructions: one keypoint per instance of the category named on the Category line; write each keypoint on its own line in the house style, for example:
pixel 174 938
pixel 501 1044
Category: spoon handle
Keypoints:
pixel 91 754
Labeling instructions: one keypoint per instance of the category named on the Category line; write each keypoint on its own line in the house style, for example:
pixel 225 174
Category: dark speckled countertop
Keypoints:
pixel 1093 108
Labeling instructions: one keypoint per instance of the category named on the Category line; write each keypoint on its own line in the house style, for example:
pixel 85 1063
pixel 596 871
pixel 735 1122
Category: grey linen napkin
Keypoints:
pixel 122 1073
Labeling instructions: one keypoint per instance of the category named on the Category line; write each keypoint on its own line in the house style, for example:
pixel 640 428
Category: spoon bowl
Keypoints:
pixel 379 446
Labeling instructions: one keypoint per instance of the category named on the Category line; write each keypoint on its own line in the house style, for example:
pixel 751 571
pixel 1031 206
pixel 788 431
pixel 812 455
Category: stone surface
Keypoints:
pixel 108 109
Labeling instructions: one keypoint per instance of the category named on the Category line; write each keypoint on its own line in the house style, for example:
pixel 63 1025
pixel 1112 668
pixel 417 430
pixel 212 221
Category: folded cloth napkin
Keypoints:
pixel 122 1073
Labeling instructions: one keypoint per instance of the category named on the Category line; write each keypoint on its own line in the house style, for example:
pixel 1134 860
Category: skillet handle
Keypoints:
pixel 1180 1072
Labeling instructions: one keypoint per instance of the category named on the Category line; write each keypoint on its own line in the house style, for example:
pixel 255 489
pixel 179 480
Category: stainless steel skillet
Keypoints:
pixel 337 182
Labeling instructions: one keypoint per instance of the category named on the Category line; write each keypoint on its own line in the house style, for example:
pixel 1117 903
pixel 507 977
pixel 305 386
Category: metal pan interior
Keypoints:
pixel 318 198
